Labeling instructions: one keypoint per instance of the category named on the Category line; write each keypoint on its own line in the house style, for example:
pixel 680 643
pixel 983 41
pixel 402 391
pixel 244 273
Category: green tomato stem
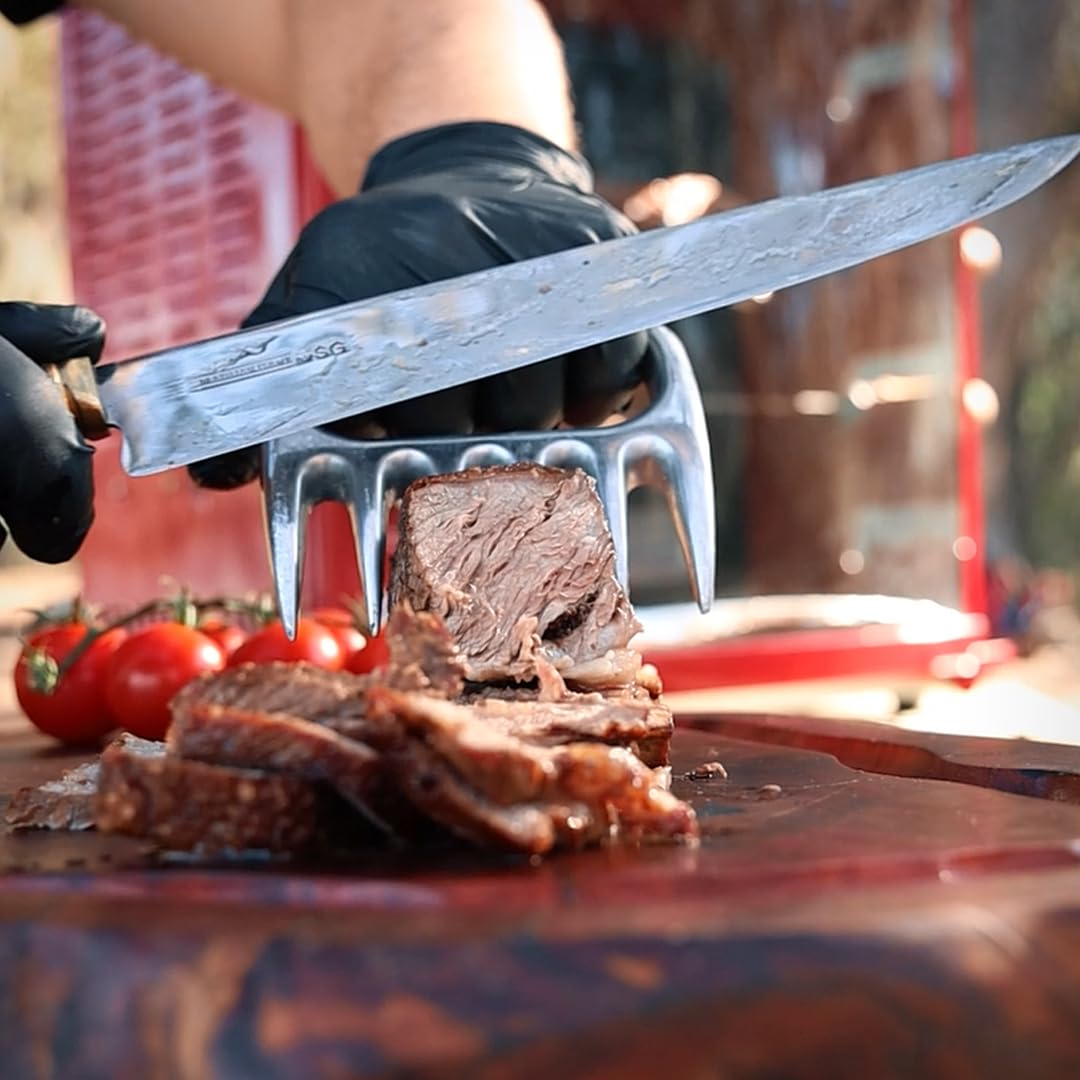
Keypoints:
pixel 183 608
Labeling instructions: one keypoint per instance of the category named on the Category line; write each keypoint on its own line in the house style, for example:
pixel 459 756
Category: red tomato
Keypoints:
pixel 228 635
pixel 76 711
pixel 373 655
pixel 314 643
pixel 149 668
pixel 343 626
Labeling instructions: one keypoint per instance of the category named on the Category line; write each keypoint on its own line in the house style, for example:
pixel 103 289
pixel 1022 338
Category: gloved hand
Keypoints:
pixel 46 481
pixel 444 202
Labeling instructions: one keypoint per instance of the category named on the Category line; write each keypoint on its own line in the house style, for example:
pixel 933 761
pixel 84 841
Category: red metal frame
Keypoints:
pixel 878 652
pixel 969 436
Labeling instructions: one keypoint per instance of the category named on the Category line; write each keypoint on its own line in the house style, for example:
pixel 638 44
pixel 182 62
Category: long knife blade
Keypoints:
pixel 239 390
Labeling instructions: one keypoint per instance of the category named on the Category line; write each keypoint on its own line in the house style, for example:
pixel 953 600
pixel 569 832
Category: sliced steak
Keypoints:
pixel 493 787
pixel 276 742
pixel 422 655
pixel 433 786
pixel 644 727
pixel 518 562
pixel 192 806
pixel 64 803
pixel 295 689
pixel 647 688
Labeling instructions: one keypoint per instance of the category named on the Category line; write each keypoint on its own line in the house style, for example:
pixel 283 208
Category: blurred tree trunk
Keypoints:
pixel 1027 80
pixel 826 94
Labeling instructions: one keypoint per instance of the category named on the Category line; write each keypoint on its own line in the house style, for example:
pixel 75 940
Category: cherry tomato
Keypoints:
pixel 314 643
pixel 373 655
pixel 228 635
pixel 76 711
pixel 343 626
pixel 148 669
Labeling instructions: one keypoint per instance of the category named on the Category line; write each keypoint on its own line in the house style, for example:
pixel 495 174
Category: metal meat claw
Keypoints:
pixel 666 446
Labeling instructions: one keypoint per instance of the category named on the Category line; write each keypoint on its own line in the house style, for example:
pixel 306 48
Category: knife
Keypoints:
pixel 198 400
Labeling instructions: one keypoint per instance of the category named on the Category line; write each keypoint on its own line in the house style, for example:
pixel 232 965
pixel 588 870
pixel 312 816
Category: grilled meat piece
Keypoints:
pixel 295 689
pixel 64 803
pixel 489 786
pixel 644 727
pixel 192 806
pixel 276 742
pixel 422 655
pixel 518 562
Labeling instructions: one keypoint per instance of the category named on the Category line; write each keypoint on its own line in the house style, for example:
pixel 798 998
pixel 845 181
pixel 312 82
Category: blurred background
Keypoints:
pixel 895 448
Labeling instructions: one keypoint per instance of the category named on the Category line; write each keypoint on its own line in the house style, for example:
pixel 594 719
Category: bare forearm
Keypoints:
pixel 358 73
pixel 425 62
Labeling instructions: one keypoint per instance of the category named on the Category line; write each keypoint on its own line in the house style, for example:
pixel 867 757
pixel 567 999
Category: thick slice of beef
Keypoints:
pixel 644 727
pixel 276 742
pixel 421 654
pixel 64 803
pixel 421 657
pixel 633 698
pixel 291 691
pixel 518 562
pixel 493 787
pixel 192 806
pixel 433 786
pixel 296 689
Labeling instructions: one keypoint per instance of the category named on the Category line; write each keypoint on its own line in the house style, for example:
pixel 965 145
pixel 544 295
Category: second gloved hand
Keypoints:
pixel 46 478
pixel 444 202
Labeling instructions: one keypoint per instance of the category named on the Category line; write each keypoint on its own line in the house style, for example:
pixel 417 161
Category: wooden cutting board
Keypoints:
pixel 842 916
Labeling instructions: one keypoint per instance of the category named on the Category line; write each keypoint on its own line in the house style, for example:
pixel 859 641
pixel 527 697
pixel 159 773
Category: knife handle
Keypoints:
pixel 75 378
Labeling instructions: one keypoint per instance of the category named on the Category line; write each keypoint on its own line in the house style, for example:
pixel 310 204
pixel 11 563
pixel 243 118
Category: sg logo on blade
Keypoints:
pixel 251 364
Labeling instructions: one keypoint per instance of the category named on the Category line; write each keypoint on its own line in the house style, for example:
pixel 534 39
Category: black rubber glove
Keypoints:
pixel 46 480
pixel 444 202
pixel 24 11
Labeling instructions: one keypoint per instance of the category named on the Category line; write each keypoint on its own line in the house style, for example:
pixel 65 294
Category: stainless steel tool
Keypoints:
pixel 277 381
pixel 665 446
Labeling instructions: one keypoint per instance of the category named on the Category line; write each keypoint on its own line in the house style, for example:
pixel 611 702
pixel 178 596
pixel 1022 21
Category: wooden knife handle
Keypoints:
pixel 75 378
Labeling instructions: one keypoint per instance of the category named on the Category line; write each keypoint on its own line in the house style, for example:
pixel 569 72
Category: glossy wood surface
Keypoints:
pixel 833 922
